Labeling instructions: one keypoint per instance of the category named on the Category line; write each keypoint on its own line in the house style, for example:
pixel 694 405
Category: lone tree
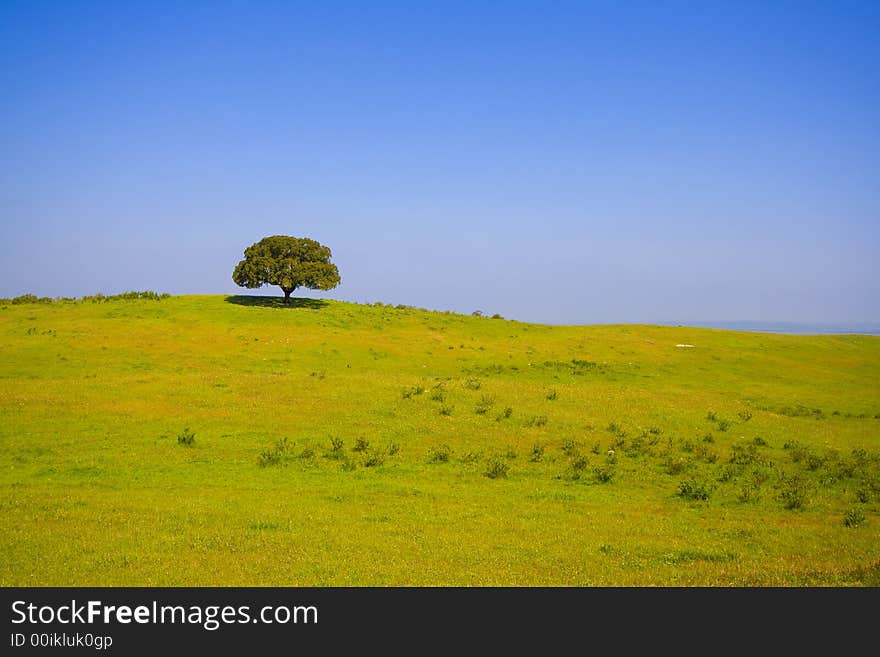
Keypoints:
pixel 289 263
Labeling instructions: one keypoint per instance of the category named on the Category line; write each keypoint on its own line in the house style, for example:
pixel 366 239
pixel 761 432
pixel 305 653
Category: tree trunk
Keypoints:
pixel 287 292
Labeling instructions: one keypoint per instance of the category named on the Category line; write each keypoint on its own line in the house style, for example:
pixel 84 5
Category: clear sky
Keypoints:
pixel 560 162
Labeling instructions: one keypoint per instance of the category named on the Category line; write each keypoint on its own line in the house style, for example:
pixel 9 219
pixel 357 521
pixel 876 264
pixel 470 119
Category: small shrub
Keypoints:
pixel 854 517
pixel 863 496
pixel 486 402
pixel 723 425
pixel 307 453
pixel 569 447
pixel 795 493
pixel 675 465
pixel 691 489
pixel 757 441
pixel 749 493
pixel 446 410
pixel 712 416
pixel 536 421
pixel 814 462
pixel 470 457
pixel 374 458
pixel 393 449
pixel 708 438
pixel 537 453
pixel 496 468
pixel 410 392
pixel 336 449
pixel 472 383
pixel 605 473
pixel 506 413
pixel 497 316
pixel 439 454
pixel 579 463
pixel 745 416
pixel 438 396
pixel 348 465
pixel 551 396
pixel 186 438
pixel 269 457
pixel 596 448
pixel 361 445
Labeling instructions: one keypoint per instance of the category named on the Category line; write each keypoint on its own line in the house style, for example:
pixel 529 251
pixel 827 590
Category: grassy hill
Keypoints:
pixel 212 440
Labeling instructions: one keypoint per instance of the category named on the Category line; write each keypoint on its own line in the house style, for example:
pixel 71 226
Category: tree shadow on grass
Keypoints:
pixel 275 302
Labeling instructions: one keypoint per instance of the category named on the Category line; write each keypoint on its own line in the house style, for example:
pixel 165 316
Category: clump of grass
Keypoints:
pixel 374 458
pixel 336 449
pixel 446 410
pixel 536 421
pixel 470 457
pixel 757 441
pixel 537 453
pixel 496 468
pixel 692 489
pixel 596 448
pixel 307 453
pixel 505 414
pixel 410 392
pixel 570 447
pixel 723 425
pixel 552 395
pixel 709 438
pixel 510 453
pixel 348 465
pixel 486 402
pixel 814 462
pixel 472 383
pixel 275 455
pixel 712 416
pixel 438 396
pixel 745 416
pixel 674 465
pixel 863 496
pixel 393 449
pixel 186 438
pixel 439 454
pixel 750 492
pixel 361 445
pixel 854 517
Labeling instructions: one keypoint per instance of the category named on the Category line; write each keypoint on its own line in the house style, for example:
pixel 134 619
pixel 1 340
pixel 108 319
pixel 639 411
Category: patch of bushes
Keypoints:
pixel 692 489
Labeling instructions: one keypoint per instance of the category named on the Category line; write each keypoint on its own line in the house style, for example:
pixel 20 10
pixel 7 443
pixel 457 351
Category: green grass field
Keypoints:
pixel 343 444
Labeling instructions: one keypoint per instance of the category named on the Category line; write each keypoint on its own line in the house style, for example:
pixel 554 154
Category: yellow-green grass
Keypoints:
pixel 96 488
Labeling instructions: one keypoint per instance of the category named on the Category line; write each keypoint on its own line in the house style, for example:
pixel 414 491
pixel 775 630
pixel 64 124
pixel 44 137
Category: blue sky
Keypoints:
pixel 561 162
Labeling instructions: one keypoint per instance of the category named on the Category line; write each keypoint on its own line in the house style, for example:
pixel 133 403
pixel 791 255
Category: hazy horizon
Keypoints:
pixel 573 163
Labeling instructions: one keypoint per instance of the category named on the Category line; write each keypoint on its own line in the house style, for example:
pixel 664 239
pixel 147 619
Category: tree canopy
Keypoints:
pixel 289 263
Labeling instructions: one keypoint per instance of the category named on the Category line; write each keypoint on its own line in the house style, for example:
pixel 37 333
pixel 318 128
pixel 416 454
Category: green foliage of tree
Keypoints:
pixel 289 263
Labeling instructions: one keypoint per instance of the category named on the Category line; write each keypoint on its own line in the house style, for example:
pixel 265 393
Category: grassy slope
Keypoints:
pixel 96 490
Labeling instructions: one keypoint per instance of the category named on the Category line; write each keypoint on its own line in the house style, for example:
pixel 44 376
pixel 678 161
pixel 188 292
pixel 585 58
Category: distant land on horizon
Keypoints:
pixel 798 328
